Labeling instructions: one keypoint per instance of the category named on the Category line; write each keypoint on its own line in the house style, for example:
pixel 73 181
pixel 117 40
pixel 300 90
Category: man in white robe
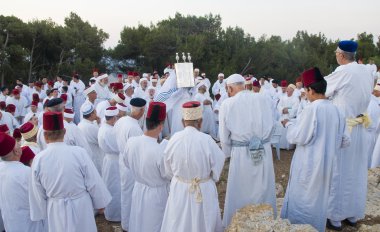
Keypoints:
pixel 251 174
pixel 14 188
pixel 110 169
pixel 194 162
pixel 101 88
pixel 125 128
pixel 29 134
pixel 21 104
pixel 103 105
pixel 65 186
pixel 91 96
pixel 9 120
pixel 287 108
pixel 349 87
pixel 318 133
pixel 90 128
pixel 144 157
pixel 78 86
pixel 208 117
pixel 219 85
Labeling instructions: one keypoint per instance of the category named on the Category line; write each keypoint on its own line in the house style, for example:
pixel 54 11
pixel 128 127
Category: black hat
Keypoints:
pixel 137 102
pixel 54 102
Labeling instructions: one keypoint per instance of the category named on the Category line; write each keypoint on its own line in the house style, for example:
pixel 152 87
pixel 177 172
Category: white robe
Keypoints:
pixel 248 182
pixel 192 154
pixel 7 118
pixel 208 117
pixel 291 103
pixel 349 185
pixel 103 93
pixel 375 162
pixel 90 132
pixel 65 189
pixel 318 134
pixel 144 157
pixel 79 98
pixel 374 113
pixel 218 87
pixel 110 170
pixel 21 106
pixel 101 110
pixel 14 201
pixel 126 127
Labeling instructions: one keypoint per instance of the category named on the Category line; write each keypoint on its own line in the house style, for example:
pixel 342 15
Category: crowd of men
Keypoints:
pixel 148 154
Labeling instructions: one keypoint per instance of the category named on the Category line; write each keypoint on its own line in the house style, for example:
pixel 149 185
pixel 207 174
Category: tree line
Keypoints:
pixel 42 48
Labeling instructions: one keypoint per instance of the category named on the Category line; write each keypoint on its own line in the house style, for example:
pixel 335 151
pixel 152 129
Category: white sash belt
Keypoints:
pixel 194 186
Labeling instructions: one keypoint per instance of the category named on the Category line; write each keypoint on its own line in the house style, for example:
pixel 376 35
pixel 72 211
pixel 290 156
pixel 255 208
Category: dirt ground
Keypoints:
pixel 281 169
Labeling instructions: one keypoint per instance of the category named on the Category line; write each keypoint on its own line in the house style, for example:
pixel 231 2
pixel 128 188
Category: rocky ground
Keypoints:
pixel 370 223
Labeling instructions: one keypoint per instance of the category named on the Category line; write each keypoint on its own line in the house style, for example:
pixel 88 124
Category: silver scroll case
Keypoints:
pixel 184 71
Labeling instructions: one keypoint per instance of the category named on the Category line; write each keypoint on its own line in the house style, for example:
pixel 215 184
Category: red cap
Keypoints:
pixel 26 127
pixel 95 70
pixel 256 83
pixel 2 105
pixel 27 155
pixel 4 128
pixel 38 84
pixel 15 92
pixel 17 133
pixel 191 104
pixel 135 74
pixel 311 76
pixel 68 111
pixel 130 73
pixel 11 108
pixel 156 111
pixel 51 83
pixel 64 97
pixel 7 143
pixel 119 75
pixel 34 103
pixel 117 86
pixel 122 96
pixel 299 79
pixel 53 121
pixel 36 97
pixel 284 83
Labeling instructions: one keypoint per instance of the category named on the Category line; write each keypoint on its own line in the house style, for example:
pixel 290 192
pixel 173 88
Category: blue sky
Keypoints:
pixel 337 19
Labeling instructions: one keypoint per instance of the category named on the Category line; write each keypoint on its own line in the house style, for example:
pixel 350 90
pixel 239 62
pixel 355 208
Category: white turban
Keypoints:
pixel 235 78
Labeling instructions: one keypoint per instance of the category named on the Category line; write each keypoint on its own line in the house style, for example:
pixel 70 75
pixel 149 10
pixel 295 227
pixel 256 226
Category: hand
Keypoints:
pixel 285 111
pixel 206 102
pixel 284 122
pixel 101 211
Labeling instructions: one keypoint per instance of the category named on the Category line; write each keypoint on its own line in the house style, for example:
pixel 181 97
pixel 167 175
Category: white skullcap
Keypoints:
pixel 145 75
pixel 143 79
pixel 196 70
pixel 29 116
pixel 102 77
pixel 191 111
pixel 121 107
pixel 127 85
pixel 68 113
pixel 220 75
pixel 377 87
pixel 292 86
pixel 88 90
pixel 235 78
pixel 151 87
pixel 87 109
pixel 154 80
pixel 166 70
pixel 111 111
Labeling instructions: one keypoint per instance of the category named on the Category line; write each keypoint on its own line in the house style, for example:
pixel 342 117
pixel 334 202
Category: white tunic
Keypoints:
pixel 192 154
pixel 14 201
pixel 90 131
pixel 374 113
pixel 291 103
pixel 7 118
pixel 21 105
pixel 151 189
pixel 349 185
pixel 208 118
pixel 65 189
pixel 218 87
pixel 318 134
pixel 101 109
pixel 126 127
pixel 102 92
pixel 79 98
pixel 110 170
pixel 248 182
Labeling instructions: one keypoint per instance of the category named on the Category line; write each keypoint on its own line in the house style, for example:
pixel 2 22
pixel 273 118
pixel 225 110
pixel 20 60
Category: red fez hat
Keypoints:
pixel 217 96
pixel 34 103
pixel 69 111
pixel 284 83
pixel 7 143
pixel 111 85
pixel 135 74
pixel 130 73
pixel 256 83
pixel 51 83
pixel 27 155
pixel 299 79
pixel 76 75
pixel 64 97
pixel 191 104
pixel 38 84
pixel 36 97
pixel 53 121
pixel 4 128
pixel 156 111
pixel 15 92
pixel 17 133
pixel 117 86
pixel 119 75
pixel 2 105
pixel 311 76
pixel 95 70
pixel 28 130
pixel 11 108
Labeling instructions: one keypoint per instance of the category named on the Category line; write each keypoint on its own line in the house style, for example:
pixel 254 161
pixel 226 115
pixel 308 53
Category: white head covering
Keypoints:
pixel 121 107
pixel 145 75
pixel 235 78
pixel 102 77
pixel 292 86
pixel 143 79
pixel 127 85
pixel 88 90
pixel 377 87
pixel 220 75
pixel 87 109
pixel 111 111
